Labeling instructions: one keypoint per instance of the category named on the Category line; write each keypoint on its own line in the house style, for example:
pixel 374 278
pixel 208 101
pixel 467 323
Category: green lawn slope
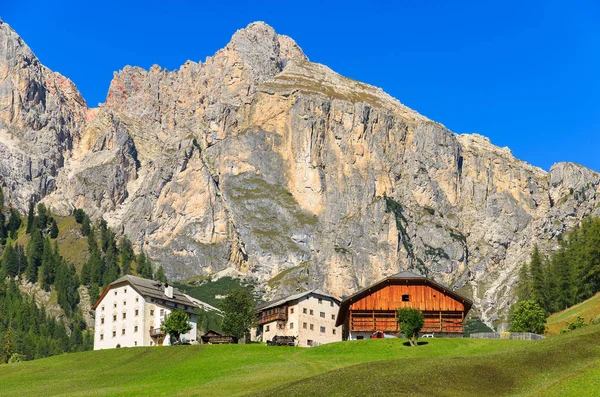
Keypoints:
pixel 589 309
pixel 370 367
pixel 567 365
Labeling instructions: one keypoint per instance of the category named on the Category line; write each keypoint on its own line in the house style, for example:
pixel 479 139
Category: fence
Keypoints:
pixel 507 335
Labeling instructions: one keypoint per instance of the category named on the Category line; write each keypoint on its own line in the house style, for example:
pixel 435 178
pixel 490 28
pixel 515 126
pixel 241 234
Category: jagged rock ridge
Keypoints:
pixel 264 162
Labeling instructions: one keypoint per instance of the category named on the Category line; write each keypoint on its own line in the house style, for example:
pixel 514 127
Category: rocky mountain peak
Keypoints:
pixel 263 50
pixel 260 161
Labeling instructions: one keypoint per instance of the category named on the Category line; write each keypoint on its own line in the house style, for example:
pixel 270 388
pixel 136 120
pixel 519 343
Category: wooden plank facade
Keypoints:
pixel 374 308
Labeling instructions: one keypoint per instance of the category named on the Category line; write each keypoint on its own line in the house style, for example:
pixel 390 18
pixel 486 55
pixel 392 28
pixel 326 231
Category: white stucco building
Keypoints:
pixel 131 309
pixel 309 316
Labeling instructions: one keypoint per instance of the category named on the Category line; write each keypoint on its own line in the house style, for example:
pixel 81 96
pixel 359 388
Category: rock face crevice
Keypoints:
pixel 259 160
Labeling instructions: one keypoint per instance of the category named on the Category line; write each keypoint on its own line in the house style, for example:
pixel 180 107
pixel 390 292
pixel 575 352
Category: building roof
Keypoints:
pixel 146 287
pixel 402 276
pixel 281 301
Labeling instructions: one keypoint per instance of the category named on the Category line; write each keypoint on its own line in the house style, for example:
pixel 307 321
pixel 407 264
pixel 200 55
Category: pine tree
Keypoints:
pixel 96 267
pixel 524 287
pixel 30 218
pixel 144 267
pixel 35 250
pixel 111 265
pixel 48 267
pixel 126 254
pixel 21 259
pixel 14 223
pixel 54 229
pixel 41 220
pixel 9 343
pixel 538 284
pixel 86 227
pixel 160 275
pixel 92 243
pixel 10 263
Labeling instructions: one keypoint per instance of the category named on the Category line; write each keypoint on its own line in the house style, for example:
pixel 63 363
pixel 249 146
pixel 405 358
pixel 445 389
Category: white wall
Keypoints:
pixel 118 301
pixel 296 319
pixel 150 314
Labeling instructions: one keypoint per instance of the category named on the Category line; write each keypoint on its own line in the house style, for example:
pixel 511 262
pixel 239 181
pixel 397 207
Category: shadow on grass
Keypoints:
pixel 420 343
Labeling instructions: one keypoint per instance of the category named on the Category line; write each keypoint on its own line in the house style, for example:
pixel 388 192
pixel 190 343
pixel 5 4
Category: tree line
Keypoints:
pixel 567 276
pixel 26 331
pixel 109 260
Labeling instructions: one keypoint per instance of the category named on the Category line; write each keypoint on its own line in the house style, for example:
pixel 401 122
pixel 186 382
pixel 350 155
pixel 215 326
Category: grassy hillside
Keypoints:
pixel 588 309
pixel 567 365
pixel 370 367
pixel 72 244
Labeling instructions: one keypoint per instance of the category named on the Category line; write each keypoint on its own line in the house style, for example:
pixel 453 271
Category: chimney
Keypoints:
pixel 169 291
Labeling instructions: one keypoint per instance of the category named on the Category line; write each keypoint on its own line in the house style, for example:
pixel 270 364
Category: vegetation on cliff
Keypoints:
pixel 565 277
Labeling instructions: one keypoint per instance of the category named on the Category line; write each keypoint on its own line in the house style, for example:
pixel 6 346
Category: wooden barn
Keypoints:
pixel 374 308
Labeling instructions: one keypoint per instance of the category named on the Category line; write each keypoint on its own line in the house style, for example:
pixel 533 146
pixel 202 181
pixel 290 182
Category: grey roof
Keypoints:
pixel 153 289
pixel 281 301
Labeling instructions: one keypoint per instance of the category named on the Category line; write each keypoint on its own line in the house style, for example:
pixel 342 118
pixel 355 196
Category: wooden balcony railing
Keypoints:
pixel 277 314
pixel 156 332
pixel 386 321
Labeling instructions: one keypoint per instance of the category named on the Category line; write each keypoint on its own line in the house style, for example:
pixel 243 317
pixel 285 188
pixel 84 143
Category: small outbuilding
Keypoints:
pixel 374 308
pixel 215 338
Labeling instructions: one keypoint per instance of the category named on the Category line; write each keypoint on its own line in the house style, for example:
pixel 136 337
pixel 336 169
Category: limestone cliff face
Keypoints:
pixel 41 115
pixel 261 161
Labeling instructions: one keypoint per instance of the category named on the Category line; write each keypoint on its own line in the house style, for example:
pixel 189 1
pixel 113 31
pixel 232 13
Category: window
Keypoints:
pixel 322 314
pixel 125 290
pixel 292 310
pixel 115 305
pixel 102 320
pixel 124 316
pixel 137 312
pixel 311 312
pixel 162 312
pixel 322 329
pixel 135 343
pixel 331 303
pixel 114 334
pixel 291 325
pixel 304 310
pixel 114 317
pixel 101 336
pixel 304 325
pixel 334 331
pixel 124 303
pixel 135 329
pixel 102 307
pixel 123 331
pixel 320 301
pixel 333 316
pixel 405 298
pixel 137 299
pixel 115 292
pixel 267 328
pixel 312 327
pixel 152 312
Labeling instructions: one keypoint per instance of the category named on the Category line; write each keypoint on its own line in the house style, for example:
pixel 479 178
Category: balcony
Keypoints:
pixel 156 333
pixel 277 314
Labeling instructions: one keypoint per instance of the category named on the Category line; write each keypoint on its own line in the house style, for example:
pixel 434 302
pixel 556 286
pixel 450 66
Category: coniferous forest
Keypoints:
pixel 31 259
pixel 567 276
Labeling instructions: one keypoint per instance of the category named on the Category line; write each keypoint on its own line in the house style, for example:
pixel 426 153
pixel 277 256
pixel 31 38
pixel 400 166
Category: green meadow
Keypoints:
pixel 566 365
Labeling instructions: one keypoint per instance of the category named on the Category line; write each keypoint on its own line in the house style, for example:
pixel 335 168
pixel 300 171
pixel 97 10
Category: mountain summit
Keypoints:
pixel 261 161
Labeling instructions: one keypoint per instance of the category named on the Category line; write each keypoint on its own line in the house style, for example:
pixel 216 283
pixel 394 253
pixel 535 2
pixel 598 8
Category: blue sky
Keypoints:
pixel 526 76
